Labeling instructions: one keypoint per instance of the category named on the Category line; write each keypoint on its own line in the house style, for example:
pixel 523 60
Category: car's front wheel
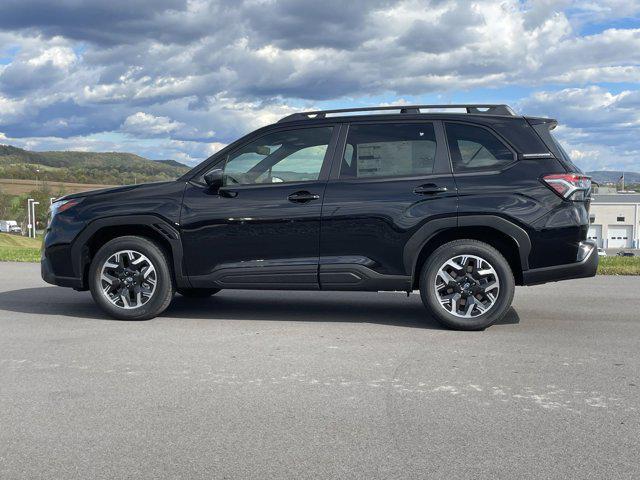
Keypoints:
pixel 467 285
pixel 130 279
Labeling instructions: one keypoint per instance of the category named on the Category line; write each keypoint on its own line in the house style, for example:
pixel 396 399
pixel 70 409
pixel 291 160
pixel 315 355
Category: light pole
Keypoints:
pixel 29 200
pixel 33 216
pixel 37 172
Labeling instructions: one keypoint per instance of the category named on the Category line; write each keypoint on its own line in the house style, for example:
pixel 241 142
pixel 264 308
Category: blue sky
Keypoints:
pixel 182 78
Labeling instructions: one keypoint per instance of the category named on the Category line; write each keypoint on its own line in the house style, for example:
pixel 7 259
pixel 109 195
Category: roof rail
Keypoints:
pixel 482 109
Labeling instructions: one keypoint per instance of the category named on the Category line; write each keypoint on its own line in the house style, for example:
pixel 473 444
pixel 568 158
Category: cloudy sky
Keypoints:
pixel 181 78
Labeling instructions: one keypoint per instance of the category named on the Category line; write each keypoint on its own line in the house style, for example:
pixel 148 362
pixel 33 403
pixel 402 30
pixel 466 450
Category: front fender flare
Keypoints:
pixel 161 226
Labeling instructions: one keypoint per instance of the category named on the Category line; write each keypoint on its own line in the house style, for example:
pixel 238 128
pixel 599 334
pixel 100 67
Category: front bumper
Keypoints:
pixel 585 266
pixel 46 271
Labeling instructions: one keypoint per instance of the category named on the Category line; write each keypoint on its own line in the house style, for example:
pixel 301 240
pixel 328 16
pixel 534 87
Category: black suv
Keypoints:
pixel 462 206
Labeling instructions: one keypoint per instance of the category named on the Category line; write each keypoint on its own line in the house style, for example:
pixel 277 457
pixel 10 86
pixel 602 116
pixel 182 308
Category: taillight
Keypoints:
pixel 570 186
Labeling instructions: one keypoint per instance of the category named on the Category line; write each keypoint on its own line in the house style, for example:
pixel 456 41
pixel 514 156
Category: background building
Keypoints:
pixel 615 220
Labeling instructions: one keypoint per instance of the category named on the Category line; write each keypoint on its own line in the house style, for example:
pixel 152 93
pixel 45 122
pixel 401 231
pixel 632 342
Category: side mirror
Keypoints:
pixel 214 179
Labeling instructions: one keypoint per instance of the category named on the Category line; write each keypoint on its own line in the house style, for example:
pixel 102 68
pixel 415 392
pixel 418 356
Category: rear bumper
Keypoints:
pixel 586 266
pixel 46 271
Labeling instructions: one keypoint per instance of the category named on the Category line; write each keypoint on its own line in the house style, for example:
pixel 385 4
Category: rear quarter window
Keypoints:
pixel 572 167
pixel 542 129
pixel 475 149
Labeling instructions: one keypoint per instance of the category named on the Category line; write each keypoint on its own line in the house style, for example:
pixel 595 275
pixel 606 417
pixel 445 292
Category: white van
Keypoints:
pixel 9 226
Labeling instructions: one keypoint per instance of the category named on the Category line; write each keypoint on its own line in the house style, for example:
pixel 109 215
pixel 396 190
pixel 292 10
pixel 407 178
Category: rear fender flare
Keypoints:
pixel 517 234
pixel 428 231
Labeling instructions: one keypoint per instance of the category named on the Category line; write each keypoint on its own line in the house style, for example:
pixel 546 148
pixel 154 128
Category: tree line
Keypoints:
pixel 14 207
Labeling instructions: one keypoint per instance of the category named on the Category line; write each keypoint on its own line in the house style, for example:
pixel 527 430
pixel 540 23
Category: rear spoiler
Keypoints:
pixel 550 122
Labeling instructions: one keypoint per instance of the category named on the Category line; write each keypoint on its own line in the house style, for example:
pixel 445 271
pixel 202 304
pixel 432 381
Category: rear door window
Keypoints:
pixel 388 150
pixel 476 149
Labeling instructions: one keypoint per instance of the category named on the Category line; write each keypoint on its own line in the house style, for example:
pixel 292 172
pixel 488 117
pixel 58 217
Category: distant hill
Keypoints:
pixel 173 163
pixel 613 176
pixel 115 168
pixel 112 168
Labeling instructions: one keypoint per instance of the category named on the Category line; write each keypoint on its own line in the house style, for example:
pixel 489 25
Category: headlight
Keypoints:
pixel 60 206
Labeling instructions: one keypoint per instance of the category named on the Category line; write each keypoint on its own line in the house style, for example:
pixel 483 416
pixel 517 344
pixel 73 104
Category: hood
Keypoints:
pixel 102 191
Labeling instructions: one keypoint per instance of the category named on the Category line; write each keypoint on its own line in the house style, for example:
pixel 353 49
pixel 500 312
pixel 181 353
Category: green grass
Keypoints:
pixel 619 266
pixel 19 254
pixel 7 240
pixel 14 248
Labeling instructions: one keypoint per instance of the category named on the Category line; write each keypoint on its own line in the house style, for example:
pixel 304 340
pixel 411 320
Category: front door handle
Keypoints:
pixel 302 196
pixel 429 189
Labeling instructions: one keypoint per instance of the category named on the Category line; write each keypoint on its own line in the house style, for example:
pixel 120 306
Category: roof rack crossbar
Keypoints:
pixel 483 109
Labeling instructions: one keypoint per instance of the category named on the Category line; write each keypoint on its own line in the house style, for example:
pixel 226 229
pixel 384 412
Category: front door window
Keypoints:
pixel 279 157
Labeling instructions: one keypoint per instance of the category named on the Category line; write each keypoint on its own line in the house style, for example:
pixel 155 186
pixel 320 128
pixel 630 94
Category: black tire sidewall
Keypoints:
pixel 164 286
pixel 467 247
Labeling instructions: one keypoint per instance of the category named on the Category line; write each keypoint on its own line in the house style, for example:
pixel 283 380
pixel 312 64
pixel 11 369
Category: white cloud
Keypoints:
pixel 144 124
pixel 207 71
pixel 59 57
pixel 589 106
pixel 599 129
pixel 11 110
pixel 188 152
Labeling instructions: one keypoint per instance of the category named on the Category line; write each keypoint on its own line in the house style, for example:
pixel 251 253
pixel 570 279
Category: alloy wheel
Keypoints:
pixel 128 279
pixel 467 286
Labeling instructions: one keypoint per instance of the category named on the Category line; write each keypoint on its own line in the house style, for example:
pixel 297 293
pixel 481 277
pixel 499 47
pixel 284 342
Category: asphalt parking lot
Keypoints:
pixel 319 385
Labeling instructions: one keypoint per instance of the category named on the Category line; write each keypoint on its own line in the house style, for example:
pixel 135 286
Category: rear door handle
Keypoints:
pixel 429 189
pixel 302 196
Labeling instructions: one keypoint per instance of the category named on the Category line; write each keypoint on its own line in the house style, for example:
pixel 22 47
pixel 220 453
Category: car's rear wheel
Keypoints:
pixel 130 279
pixel 467 285
pixel 197 292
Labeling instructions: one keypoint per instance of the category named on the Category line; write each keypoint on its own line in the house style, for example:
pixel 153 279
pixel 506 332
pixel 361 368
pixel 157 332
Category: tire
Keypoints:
pixel 476 298
pixel 124 272
pixel 197 292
